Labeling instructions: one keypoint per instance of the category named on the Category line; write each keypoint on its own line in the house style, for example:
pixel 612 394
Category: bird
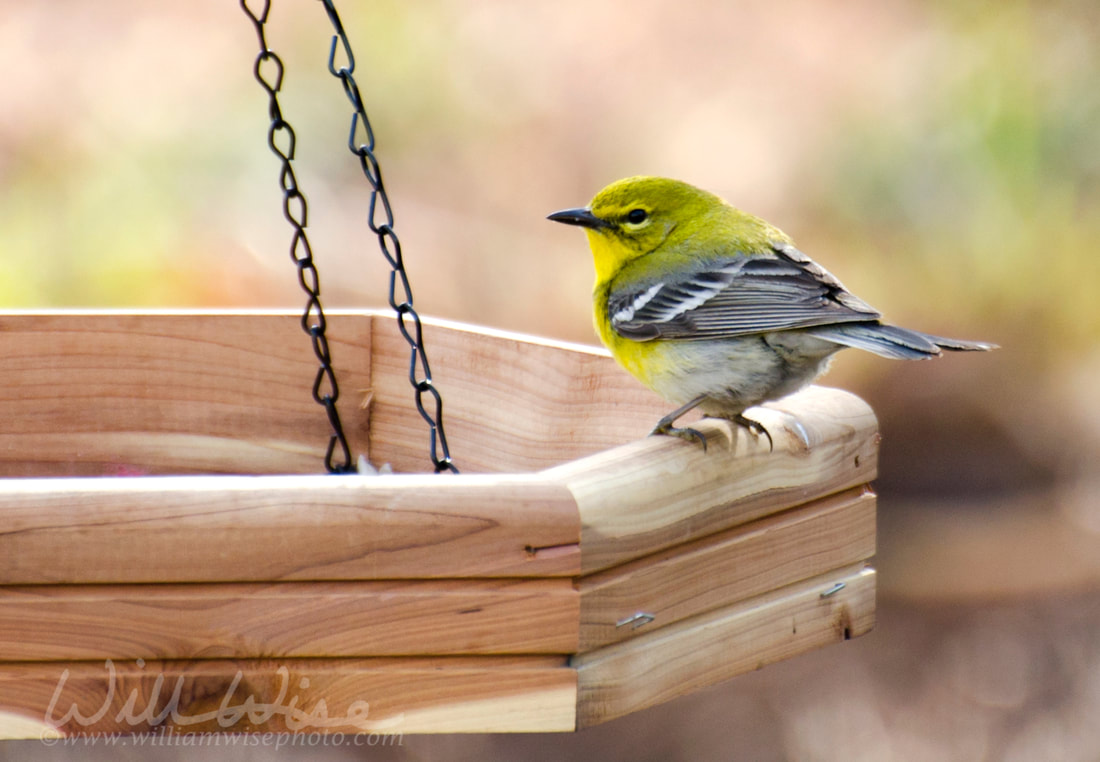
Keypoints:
pixel 714 308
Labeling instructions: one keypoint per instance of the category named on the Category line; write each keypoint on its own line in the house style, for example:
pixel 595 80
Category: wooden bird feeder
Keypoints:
pixel 170 559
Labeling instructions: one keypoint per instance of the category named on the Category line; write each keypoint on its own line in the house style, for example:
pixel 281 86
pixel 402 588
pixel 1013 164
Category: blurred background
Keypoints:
pixel 942 158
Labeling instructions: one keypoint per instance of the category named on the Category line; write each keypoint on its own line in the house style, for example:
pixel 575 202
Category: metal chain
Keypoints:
pixel 400 293
pixel 325 390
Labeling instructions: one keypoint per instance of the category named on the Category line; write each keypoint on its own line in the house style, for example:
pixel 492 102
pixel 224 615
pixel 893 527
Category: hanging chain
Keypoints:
pixel 325 390
pixel 400 293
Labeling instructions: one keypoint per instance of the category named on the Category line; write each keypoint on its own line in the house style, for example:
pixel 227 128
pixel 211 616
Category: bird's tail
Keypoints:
pixel 897 343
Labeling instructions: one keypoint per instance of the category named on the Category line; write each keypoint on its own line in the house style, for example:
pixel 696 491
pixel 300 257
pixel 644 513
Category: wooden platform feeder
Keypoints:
pixel 171 559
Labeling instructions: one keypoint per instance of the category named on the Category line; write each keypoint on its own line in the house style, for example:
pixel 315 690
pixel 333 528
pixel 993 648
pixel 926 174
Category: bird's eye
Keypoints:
pixel 636 216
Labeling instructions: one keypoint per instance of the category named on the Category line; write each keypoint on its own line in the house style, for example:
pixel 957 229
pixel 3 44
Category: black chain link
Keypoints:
pixel 325 390
pixel 400 293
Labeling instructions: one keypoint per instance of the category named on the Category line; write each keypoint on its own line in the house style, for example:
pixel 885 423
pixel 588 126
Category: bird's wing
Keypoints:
pixel 737 296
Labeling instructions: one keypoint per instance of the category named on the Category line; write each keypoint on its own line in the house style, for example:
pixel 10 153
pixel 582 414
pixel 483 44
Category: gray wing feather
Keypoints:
pixel 738 296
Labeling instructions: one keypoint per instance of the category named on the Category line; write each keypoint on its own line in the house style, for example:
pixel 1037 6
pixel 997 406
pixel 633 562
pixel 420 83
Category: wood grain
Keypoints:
pixel 446 602
pixel 122 393
pixel 109 393
pixel 261 528
pixel 731 566
pixel 512 402
pixel 288 619
pixel 461 694
pixel 660 491
pixel 692 654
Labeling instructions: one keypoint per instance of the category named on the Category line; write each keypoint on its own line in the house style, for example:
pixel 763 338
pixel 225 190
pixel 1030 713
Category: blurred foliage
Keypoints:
pixel 942 158
pixel 951 146
pixel 991 184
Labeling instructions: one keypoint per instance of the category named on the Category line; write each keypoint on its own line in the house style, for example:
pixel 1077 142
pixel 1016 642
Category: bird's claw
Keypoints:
pixel 756 427
pixel 685 433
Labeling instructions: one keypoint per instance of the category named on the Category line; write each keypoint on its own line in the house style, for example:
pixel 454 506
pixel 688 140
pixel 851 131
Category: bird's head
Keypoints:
pixel 635 216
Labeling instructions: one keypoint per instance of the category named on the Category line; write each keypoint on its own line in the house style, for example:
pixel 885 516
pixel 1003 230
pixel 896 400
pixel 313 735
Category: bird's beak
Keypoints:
pixel 581 217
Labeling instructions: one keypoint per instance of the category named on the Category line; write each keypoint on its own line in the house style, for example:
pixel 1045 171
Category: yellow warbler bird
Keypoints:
pixel 714 308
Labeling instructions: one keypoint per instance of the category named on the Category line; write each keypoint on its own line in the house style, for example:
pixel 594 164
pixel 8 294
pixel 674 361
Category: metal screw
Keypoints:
pixel 636 620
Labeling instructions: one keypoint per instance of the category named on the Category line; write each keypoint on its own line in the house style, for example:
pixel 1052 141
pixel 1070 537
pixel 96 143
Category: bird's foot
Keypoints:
pixel 756 427
pixel 665 427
